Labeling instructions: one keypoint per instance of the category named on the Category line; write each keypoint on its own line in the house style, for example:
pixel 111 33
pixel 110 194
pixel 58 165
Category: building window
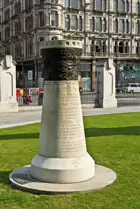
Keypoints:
pixel 126 48
pixel 115 25
pixel 137 27
pixel 74 4
pixel 7 32
pixel 92 24
pixel 137 47
pixel 115 5
pixel 138 7
pixel 67 3
pixel 121 5
pixel 41 19
pixel 80 23
pixel 67 22
pixel 104 5
pixel 98 24
pixel 18 50
pixel 74 22
pixel 6 2
pixel 7 15
pixel 121 26
pixel 28 4
pixel 54 18
pixel 98 46
pixel 115 47
pixel 17 27
pixel 7 50
pixel 29 48
pixel 127 6
pixel 127 26
pixel 29 22
pixel 104 25
pixel 98 4
pixel 42 1
pixel 104 46
pixel 121 46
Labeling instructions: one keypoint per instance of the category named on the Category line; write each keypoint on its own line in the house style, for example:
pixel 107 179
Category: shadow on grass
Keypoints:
pixel 4 177
pixel 94 132
pixel 90 132
pixel 19 136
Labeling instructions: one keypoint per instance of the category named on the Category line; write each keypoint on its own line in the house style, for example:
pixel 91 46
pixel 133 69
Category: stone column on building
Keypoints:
pixel 106 84
pixel 8 102
pixel 93 76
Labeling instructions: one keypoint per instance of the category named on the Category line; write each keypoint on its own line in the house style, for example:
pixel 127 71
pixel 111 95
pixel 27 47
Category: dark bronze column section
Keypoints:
pixel 61 63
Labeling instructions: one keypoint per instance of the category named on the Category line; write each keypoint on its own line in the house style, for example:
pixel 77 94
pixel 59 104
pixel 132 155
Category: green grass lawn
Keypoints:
pixel 113 141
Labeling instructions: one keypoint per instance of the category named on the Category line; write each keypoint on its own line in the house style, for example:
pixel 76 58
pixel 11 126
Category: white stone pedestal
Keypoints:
pixel 63 164
pixel 62 157
pixel 106 93
pixel 8 101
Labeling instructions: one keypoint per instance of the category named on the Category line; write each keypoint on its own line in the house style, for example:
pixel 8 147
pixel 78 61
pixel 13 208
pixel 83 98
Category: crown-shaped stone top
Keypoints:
pixel 61 44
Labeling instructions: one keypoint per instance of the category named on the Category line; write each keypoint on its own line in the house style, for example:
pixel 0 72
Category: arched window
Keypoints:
pixel 121 46
pixel 19 7
pixel 138 7
pixel 121 5
pixel 98 46
pixel 16 8
pixel 127 5
pixel 115 5
pixel 98 4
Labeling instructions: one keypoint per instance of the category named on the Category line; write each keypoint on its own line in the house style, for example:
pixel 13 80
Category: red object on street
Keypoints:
pixel 41 90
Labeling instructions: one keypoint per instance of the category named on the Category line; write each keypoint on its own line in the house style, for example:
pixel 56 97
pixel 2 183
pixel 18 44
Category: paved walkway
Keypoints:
pixel 23 118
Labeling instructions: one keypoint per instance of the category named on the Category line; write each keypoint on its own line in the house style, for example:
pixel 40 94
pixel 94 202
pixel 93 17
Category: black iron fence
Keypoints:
pixel 34 96
pixel 127 93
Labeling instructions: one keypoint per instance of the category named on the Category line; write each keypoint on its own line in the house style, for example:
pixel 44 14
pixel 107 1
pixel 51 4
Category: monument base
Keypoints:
pixel 63 170
pixel 21 179
pixel 10 107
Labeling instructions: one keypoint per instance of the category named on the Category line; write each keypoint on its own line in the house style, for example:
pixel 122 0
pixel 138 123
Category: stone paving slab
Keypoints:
pixel 28 117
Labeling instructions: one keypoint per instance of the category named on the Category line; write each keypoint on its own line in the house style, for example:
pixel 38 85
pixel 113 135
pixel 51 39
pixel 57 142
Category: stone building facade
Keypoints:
pixel 106 28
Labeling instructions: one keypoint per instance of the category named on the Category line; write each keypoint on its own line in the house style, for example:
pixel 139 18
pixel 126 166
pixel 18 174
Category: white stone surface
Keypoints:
pixel 22 179
pixel 8 101
pixel 106 95
pixel 63 156
pixel 61 44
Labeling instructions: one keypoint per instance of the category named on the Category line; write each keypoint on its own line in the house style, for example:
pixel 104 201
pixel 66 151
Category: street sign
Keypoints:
pixel 30 75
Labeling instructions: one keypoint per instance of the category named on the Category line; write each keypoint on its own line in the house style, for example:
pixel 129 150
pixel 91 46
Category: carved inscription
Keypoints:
pixel 69 131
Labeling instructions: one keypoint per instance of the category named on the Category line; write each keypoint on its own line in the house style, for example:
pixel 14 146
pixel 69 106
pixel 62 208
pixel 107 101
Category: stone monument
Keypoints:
pixel 106 91
pixel 8 101
pixel 62 164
